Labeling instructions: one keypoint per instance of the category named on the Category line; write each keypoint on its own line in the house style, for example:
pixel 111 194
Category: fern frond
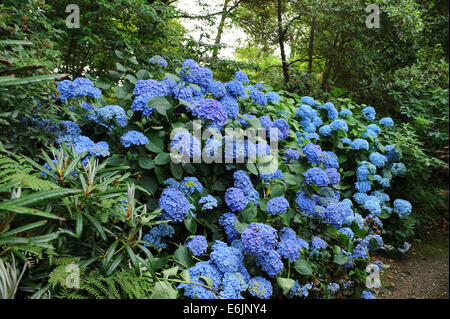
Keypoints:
pixel 16 170
pixel 124 284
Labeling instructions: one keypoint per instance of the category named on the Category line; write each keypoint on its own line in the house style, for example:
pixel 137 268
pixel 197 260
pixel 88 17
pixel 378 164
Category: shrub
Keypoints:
pixel 299 219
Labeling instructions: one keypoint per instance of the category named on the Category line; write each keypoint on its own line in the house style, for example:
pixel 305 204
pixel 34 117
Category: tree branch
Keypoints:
pixel 289 23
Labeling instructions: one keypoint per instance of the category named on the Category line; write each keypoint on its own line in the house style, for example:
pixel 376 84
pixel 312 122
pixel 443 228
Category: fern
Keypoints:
pixel 9 166
pixel 123 284
pixel 59 274
pixel 15 170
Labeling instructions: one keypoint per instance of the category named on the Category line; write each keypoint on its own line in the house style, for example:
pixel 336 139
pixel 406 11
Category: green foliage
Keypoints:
pixel 60 208
pixel 10 278
pixel 136 29
pixel 88 201
pixel 121 285
pixel 14 171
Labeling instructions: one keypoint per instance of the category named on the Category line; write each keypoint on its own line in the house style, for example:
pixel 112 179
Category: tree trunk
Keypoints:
pixel 220 29
pixel 311 45
pixel 281 42
pixel 330 63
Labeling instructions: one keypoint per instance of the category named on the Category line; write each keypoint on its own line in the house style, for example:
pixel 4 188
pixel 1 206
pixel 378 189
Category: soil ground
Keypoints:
pixel 423 272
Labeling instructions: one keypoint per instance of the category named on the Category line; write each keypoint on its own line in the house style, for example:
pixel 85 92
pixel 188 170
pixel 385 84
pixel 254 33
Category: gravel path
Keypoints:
pixel 422 274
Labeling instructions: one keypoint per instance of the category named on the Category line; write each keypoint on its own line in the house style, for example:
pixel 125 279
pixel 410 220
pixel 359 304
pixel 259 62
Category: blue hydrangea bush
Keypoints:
pixel 306 229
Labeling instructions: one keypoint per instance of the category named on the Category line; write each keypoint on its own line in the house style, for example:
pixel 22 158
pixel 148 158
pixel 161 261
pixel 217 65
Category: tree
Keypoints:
pixel 143 28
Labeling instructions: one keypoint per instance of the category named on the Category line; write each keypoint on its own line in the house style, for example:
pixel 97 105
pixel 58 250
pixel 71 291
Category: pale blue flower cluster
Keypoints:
pixel 80 87
pixel 273 97
pixel 299 291
pixel 158 60
pixel 208 202
pixel 260 287
pixel 133 138
pixel 402 207
pixel 108 115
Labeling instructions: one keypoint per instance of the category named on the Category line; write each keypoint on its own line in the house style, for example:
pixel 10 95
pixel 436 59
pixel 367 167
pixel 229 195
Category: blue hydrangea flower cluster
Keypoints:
pixel 369 113
pixel 277 205
pixel 67 131
pixel 333 288
pixel 226 270
pixel 333 176
pixel 377 159
pixel 243 182
pixel 369 134
pixel 270 263
pixel 386 121
pixel 158 60
pixel 291 154
pixel 318 243
pixel 230 105
pixel 360 144
pixel 276 130
pixel 235 199
pixel 331 111
pixel 198 245
pixel 290 245
pixel 273 97
pixel 366 241
pixel 236 89
pixel 309 117
pixel 156 236
pixel 367 295
pixel 189 185
pixel 212 111
pixel 267 177
pixel 313 153
pixel 306 204
pixel 133 138
pixel 174 205
pixel 360 251
pixel 144 91
pixel 345 113
pixel 107 114
pixel 208 202
pixel 245 117
pixel 299 291
pixel 318 200
pixel 398 169
pixel 402 207
pixel 405 248
pixel 316 176
pixel 83 144
pixel 217 89
pixel 347 232
pixel 308 100
pixel 241 77
pixel 260 287
pixel 258 97
pixel 80 87
pixel 259 239
pixel 190 71
pixel 335 214
pixel 227 221
pixel 184 143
